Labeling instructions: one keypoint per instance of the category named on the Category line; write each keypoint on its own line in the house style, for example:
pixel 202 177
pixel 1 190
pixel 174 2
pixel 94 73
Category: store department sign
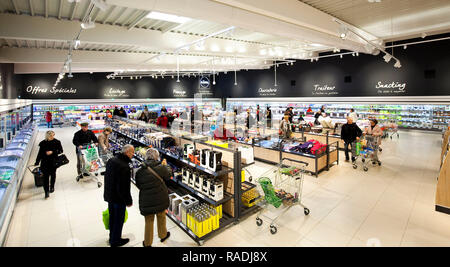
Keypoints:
pixel 267 91
pixel 36 90
pixel 390 88
pixel 179 92
pixel 116 93
pixel 324 90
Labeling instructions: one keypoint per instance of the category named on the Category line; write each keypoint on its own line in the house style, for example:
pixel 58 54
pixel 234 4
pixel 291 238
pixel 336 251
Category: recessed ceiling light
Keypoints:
pixel 167 17
pixel 317 45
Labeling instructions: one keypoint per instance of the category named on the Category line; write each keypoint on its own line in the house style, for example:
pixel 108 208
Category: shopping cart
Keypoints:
pixel 282 187
pixel 91 162
pixel 368 152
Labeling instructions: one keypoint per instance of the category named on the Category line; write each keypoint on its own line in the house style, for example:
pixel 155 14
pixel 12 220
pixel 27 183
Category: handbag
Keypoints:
pixel 61 160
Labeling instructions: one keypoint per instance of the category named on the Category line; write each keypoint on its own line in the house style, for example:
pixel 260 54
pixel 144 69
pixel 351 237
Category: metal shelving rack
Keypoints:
pixel 179 187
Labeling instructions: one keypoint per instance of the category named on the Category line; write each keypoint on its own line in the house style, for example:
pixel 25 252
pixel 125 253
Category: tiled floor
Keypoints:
pixel 392 205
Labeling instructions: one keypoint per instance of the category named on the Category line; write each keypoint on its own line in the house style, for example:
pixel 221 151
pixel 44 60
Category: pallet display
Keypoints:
pixel 229 176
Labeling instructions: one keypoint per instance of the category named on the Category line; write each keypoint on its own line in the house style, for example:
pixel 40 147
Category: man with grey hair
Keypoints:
pixel 117 193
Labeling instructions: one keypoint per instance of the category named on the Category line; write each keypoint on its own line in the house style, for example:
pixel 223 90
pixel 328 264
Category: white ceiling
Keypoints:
pixel 36 34
pixel 390 19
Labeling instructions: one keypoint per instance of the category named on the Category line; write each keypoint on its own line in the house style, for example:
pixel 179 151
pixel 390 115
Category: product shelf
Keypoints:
pixel 226 196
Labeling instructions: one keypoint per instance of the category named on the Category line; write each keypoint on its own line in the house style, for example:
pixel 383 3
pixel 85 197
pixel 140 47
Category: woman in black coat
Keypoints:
pixel 153 195
pixel 49 149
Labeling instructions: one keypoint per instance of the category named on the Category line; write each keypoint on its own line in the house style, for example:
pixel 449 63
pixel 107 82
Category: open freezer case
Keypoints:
pixel 13 161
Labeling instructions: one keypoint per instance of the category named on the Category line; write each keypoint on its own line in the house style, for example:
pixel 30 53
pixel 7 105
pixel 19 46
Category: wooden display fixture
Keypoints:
pixel 443 187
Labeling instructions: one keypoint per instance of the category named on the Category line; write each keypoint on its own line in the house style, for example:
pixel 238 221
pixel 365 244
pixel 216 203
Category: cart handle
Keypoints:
pixel 298 161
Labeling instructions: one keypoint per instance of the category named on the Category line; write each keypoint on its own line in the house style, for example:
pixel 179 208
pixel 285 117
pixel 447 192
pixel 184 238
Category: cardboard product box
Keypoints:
pixel 246 154
pixel 228 207
pixel 228 183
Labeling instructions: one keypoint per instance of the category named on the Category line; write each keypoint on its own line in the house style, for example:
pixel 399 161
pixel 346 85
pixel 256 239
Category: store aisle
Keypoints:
pixel 392 205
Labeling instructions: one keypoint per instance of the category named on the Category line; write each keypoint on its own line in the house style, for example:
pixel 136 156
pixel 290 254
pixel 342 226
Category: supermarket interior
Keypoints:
pixel 256 124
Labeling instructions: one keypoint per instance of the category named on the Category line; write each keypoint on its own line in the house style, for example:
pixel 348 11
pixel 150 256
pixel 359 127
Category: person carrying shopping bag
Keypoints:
pixel 117 193
pixel 153 195
pixel 350 133
pixel 49 149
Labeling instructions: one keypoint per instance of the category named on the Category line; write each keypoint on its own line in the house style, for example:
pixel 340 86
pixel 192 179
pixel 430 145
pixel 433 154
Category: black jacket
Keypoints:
pixel 82 138
pixel 153 193
pixel 48 162
pixel 118 181
pixel 349 132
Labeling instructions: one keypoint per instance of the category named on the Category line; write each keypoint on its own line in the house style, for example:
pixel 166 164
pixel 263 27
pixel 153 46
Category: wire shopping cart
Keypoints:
pixel 91 163
pixel 282 187
pixel 368 152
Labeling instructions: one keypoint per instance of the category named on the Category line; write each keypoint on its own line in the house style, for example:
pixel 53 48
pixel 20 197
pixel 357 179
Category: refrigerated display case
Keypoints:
pixel 13 159
pixel 407 116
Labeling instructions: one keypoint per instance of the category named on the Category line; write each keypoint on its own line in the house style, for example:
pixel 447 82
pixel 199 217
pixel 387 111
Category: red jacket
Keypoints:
pixel 48 117
pixel 162 121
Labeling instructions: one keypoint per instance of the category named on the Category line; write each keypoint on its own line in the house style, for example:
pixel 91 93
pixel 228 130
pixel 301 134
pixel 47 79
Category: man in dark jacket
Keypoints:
pixel 350 133
pixel 81 138
pixel 117 193
pixel 116 111
pixel 153 195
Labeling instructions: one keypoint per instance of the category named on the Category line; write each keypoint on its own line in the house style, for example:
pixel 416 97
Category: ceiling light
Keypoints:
pixel 341 56
pixel 316 45
pixel 229 49
pixel 398 64
pixel 215 48
pixel 242 50
pixel 374 1
pixel 76 44
pixel 343 31
pixel 263 52
pixel 387 58
pixel 312 59
pixel 405 46
pixel 88 25
pixel 167 17
pixel 424 35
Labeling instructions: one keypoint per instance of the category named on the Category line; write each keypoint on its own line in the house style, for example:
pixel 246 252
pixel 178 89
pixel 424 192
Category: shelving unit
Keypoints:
pixel 422 117
pixel 231 202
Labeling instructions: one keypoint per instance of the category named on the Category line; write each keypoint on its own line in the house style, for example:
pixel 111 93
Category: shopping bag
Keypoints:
pixel 358 148
pixel 106 218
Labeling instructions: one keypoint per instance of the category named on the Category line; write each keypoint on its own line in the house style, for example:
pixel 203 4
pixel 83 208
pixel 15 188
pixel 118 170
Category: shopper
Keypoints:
pixel 322 109
pixel 170 119
pixel 122 113
pixel 353 115
pixel 350 133
pixel 117 193
pixel 103 141
pixel 145 115
pixel 153 195
pixel 285 130
pixel 49 149
pixel 269 117
pixel 290 113
pixel 162 120
pixel 257 113
pixel 48 119
pixel 317 116
pixel 375 131
pixel 81 138
pixel 163 109
pixel 116 111
pixel 309 110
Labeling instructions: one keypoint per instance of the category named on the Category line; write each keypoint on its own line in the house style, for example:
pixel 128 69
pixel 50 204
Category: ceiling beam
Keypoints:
pixel 120 15
pixel 64 30
pixel 60 8
pixel 109 14
pixel 31 7
pixel 46 8
pixel 138 19
pixel 15 7
pixel 74 9
pixel 292 19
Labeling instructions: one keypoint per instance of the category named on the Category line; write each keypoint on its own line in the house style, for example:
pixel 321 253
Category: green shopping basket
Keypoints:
pixel 269 192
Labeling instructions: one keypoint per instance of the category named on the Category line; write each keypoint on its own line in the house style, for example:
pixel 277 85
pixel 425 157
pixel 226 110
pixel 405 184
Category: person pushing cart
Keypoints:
pixel 82 138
